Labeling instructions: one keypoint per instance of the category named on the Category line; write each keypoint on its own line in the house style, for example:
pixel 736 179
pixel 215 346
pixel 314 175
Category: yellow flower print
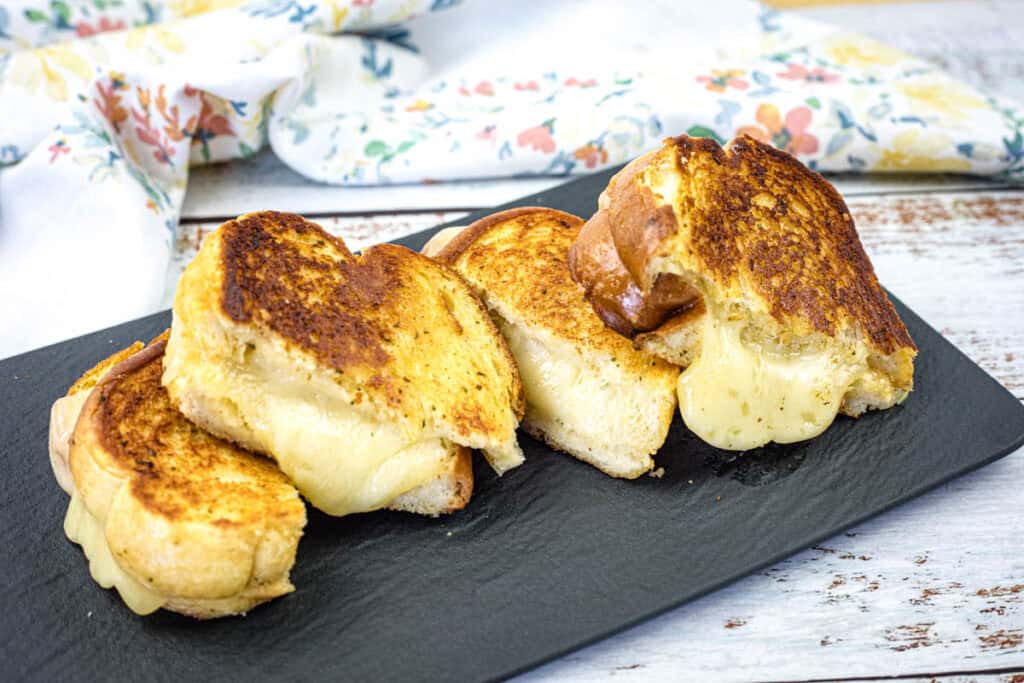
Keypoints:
pixel 47 67
pixel 941 95
pixel 139 37
pixel 338 14
pixel 858 51
pixel 189 8
pixel 917 150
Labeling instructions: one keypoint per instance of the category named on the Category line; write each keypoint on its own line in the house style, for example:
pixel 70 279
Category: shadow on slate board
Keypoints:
pixel 548 558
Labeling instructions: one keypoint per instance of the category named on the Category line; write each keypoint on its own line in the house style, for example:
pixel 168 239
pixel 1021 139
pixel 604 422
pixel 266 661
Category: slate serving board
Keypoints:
pixel 551 557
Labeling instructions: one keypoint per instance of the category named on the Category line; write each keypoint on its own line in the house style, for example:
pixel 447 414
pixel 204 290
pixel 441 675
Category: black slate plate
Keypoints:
pixel 552 556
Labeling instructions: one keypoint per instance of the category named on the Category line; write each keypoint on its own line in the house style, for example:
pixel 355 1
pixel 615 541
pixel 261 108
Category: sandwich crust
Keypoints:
pixel 210 528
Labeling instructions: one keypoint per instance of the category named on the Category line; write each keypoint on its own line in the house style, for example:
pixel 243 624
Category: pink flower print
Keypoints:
pixel 58 148
pixel 528 85
pixel 463 91
pixel 720 81
pixel 790 135
pixel 538 137
pixel 797 72
pixel 484 88
pixel 84 30
pixel 589 83
pixel 362 3
pixel 488 133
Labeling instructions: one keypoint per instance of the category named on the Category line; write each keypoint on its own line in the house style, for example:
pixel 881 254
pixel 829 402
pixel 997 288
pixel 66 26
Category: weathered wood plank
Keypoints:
pixel 958 261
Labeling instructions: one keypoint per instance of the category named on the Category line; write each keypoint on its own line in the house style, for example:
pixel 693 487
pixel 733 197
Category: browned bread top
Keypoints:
pixel 519 257
pixel 397 327
pixel 757 226
pixel 174 469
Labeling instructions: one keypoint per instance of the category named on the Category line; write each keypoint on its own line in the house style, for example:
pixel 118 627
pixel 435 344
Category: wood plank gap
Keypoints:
pixel 898 677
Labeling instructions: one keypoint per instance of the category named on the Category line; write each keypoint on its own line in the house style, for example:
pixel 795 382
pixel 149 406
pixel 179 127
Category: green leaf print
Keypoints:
pixel 703 132
pixel 376 148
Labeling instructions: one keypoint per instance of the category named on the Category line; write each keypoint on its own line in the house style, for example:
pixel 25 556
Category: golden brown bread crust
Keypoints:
pixel 209 526
pixel 758 223
pixel 521 256
pixel 131 413
pixel 357 315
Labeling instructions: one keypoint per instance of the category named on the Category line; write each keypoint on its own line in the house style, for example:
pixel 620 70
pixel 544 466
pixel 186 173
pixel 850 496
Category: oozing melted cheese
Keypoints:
pixel 341 459
pixel 81 527
pixel 737 396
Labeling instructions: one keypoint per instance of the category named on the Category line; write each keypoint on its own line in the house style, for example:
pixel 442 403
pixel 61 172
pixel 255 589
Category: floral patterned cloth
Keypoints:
pixel 105 104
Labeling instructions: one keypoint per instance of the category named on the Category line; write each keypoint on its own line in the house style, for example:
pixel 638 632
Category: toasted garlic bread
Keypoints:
pixel 589 393
pixel 169 515
pixel 746 267
pixel 366 378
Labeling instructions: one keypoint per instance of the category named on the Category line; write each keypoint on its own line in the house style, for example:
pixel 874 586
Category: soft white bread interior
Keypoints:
pixel 589 393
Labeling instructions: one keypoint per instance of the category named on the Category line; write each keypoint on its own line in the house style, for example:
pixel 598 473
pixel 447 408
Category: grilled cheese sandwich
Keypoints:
pixel 588 392
pixel 744 267
pixel 170 516
pixel 367 378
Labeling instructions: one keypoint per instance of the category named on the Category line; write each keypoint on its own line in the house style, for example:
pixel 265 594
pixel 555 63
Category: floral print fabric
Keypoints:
pixel 105 104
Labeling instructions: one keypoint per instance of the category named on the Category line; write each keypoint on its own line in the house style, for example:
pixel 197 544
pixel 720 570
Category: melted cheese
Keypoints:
pixel 82 528
pixel 737 396
pixel 341 459
pixel 63 417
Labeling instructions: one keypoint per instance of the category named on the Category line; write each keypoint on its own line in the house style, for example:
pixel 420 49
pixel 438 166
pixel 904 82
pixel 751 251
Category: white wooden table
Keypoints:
pixel 931 591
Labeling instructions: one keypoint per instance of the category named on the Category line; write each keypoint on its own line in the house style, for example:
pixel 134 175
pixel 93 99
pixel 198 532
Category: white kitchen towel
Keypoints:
pixel 105 104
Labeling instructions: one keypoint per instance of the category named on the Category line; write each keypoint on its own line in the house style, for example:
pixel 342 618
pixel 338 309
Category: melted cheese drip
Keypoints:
pixel 736 397
pixel 342 460
pixel 82 528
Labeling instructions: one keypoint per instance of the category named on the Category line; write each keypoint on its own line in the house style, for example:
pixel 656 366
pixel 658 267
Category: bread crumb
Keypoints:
pixel 657 474
pixel 448 534
pixel 718 498
pixel 689 481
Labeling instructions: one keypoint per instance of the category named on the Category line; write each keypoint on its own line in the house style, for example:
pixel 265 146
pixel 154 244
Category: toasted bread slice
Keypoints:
pixel 169 515
pixel 589 393
pixel 367 378
pixel 746 266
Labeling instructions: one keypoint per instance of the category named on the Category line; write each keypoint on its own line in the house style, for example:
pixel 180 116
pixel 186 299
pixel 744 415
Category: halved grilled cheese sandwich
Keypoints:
pixel 367 378
pixel 589 393
pixel 745 267
pixel 168 515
